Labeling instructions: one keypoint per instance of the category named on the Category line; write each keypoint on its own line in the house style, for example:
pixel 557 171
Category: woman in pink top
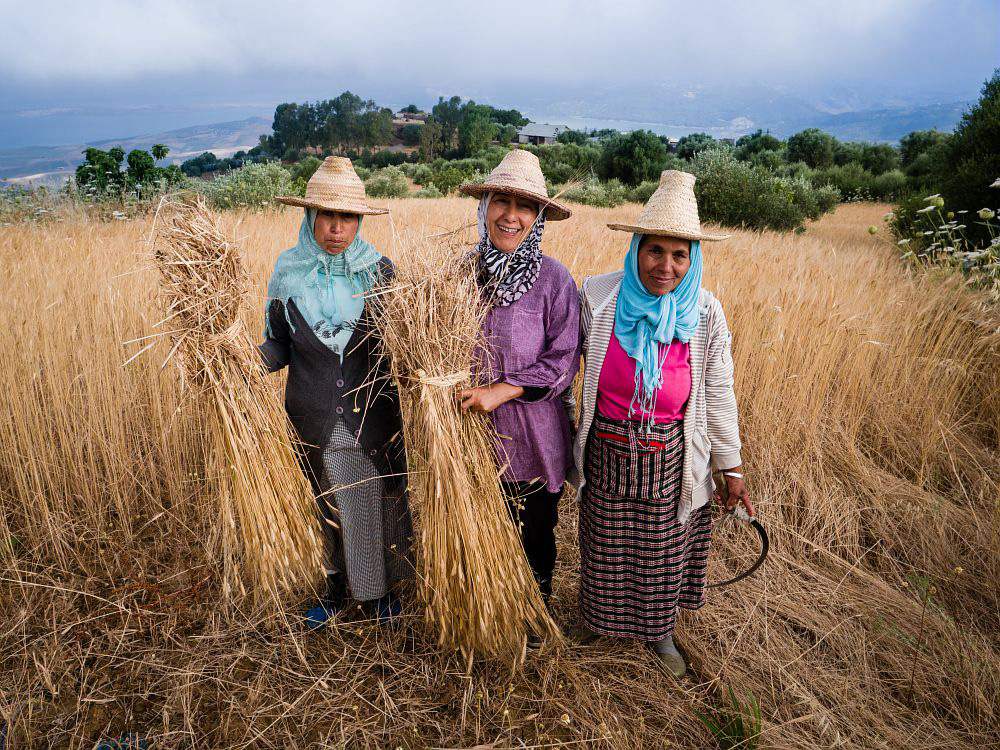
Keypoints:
pixel 657 414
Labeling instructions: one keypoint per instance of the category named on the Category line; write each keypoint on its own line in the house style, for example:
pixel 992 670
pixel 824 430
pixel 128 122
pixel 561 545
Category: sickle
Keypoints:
pixel 740 513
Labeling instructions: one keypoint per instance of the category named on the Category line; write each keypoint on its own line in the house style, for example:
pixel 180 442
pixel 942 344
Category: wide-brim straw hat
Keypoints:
pixel 671 211
pixel 519 173
pixel 335 186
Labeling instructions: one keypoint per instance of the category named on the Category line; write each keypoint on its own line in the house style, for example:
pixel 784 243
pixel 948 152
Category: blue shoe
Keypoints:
pixel 387 609
pixel 331 603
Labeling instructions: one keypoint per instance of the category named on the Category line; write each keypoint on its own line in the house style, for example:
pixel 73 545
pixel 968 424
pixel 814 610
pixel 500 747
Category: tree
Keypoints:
pixel 508 117
pixel 690 145
pixel 632 158
pixel 913 145
pixel 879 158
pixel 507 134
pixel 448 114
pixel 573 136
pixel 101 170
pixel 430 140
pixel 476 128
pixel 291 126
pixel 756 142
pixel 376 126
pixel 410 109
pixel 410 134
pixel 971 158
pixel 851 152
pixel 812 146
pixel 159 151
pixel 141 167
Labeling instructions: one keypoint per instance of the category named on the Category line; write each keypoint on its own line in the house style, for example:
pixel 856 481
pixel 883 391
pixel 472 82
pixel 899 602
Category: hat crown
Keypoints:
pixel 673 205
pixel 671 211
pixel 519 173
pixel 335 186
pixel 334 176
pixel 519 170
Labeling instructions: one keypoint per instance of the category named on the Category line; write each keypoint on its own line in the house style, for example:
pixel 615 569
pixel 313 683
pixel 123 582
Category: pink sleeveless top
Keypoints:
pixel 616 385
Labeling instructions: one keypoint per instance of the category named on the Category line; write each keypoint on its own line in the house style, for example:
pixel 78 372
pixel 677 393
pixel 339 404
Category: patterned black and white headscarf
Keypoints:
pixel 507 276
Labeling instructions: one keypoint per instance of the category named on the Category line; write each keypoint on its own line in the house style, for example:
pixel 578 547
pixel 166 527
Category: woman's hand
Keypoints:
pixel 737 493
pixel 486 398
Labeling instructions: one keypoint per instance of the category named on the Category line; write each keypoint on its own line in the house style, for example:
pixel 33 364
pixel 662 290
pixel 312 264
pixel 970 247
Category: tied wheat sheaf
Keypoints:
pixel 478 589
pixel 266 528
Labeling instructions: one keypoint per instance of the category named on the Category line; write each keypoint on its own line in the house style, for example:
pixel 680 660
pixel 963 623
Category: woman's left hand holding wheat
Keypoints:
pixel 486 398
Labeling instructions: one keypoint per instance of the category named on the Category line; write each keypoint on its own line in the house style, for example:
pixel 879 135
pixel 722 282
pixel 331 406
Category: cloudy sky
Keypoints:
pixel 83 67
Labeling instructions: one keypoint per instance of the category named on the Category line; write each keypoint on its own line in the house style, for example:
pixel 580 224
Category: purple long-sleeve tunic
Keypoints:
pixel 535 343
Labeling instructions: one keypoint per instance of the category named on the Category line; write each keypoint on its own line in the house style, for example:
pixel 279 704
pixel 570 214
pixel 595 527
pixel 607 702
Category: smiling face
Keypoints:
pixel 334 230
pixel 508 219
pixel 663 262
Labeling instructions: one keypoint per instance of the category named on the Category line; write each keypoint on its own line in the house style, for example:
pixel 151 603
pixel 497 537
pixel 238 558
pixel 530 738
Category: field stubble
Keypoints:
pixel 870 417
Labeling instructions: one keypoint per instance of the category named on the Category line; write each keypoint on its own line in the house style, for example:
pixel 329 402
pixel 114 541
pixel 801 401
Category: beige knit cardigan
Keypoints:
pixel 711 429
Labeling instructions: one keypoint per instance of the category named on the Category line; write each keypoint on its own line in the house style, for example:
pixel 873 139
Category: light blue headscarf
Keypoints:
pixel 643 321
pixel 327 289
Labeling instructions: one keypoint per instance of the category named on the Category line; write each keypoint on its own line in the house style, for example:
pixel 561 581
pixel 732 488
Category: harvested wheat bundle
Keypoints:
pixel 474 577
pixel 267 533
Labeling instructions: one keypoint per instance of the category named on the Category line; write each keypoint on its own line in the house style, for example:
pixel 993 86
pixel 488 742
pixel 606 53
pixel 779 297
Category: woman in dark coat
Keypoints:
pixel 340 397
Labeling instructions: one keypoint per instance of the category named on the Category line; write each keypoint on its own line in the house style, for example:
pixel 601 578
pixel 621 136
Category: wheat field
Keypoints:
pixel 870 416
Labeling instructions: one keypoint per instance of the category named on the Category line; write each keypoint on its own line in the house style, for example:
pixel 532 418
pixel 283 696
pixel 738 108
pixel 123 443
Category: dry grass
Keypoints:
pixel 256 475
pixel 478 591
pixel 870 418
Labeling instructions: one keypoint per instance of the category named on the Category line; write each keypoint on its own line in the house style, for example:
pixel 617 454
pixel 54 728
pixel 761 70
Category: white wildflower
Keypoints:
pixel 926 209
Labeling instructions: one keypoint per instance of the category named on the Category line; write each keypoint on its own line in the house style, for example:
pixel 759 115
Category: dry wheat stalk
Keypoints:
pixel 266 525
pixel 475 580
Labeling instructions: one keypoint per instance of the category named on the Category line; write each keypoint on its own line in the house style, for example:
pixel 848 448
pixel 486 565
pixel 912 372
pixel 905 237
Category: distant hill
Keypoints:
pixel 668 109
pixel 732 111
pixel 48 165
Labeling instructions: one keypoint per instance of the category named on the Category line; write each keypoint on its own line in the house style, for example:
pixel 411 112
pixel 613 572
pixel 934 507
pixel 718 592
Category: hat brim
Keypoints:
pixel 553 211
pixel 291 200
pixel 701 237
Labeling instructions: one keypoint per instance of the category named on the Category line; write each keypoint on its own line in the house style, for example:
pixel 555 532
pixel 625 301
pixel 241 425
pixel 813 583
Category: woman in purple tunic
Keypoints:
pixel 532 333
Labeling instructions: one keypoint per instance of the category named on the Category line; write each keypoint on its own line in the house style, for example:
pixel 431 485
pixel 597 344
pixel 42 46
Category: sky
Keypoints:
pixel 74 71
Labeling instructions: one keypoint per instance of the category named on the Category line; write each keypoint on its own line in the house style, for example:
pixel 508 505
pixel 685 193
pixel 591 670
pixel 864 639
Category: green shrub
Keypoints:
pixel 967 241
pixel 253 187
pixel 389 182
pixel 594 193
pixel 363 172
pixel 889 186
pixel 447 179
pixel 559 172
pixel 20 204
pixel 856 183
pixel 643 191
pixel 970 161
pixel 421 174
pixel 305 168
pixel 428 192
pixel 736 193
pixel 827 198
pixel 633 158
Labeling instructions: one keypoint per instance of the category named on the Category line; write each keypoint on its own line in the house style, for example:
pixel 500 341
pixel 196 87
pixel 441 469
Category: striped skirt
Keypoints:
pixel 637 563
pixel 368 530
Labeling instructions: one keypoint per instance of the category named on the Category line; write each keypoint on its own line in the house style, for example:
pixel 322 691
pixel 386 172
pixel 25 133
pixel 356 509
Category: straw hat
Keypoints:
pixel 671 211
pixel 520 174
pixel 335 186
